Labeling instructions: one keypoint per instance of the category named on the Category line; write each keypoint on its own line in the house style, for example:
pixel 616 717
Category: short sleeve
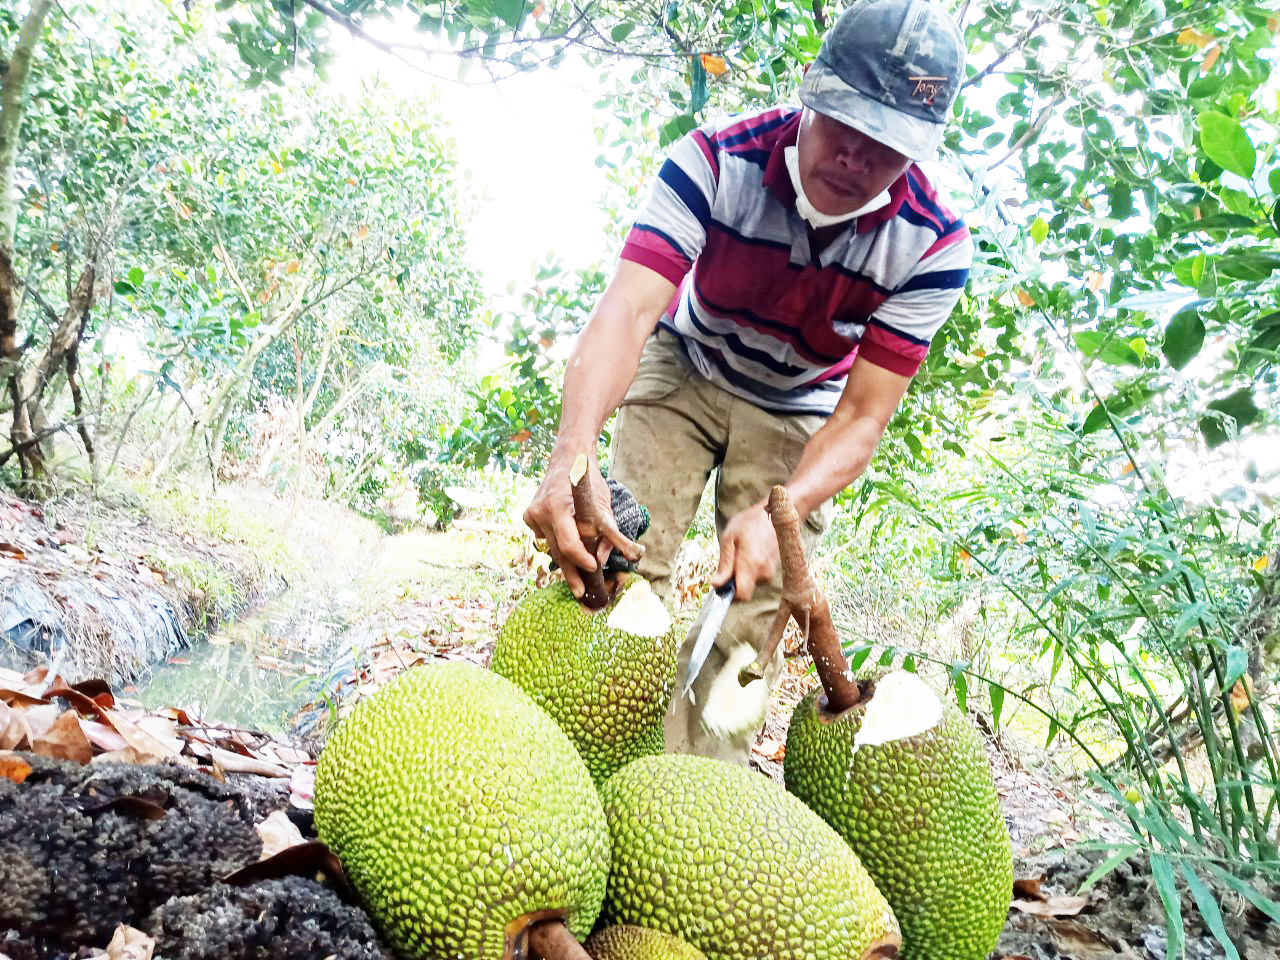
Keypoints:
pixel 898 335
pixel 671 230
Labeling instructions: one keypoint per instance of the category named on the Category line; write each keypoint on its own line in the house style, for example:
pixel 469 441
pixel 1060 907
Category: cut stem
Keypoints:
pixel 804 600
pixel 596 595
pixel 551 940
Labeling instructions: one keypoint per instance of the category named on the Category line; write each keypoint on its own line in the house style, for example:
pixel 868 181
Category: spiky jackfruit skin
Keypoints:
pixel 608 689
pixel 457 806
pixel 731 863
pixel 626 942
pixel 922 814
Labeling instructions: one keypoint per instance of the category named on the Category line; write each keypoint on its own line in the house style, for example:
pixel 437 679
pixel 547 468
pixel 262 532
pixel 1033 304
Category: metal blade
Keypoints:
pixel 715 610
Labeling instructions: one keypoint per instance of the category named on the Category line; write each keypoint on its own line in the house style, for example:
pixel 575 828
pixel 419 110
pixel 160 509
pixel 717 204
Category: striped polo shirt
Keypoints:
pixel 761 314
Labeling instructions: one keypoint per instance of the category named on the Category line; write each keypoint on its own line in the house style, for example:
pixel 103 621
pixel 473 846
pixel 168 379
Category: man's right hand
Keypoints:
pixel 552 518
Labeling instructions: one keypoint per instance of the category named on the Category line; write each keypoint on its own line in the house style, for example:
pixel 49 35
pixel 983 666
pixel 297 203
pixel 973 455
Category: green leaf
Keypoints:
pixel 1121 854
pixel 1110 351
pixel 1238 406
pixel 136 276
pixel 1162 873
pixel 1266 905
pixel 511 12
pixel 996 692
pixel 1190 270
pixel 961 686
pixel 697 86
pixel 675 128
pixel 1226 143
pixel 1039 230
pixel 1215 221
pixel 1209 911
pixel 622 31
pixel 1183 338
pixel 1237 664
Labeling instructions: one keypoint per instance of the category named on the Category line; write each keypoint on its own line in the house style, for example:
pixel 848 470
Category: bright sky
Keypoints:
pixel 529 146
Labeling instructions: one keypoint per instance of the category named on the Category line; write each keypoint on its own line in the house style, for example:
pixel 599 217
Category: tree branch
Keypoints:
pixel 13 105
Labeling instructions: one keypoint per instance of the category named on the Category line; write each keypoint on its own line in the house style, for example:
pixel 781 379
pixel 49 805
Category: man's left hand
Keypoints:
pixel 748 550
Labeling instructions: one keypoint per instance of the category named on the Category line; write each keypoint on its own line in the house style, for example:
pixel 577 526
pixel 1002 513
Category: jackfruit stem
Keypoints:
pixel 600 535
pixel 804 600
pixel 551 940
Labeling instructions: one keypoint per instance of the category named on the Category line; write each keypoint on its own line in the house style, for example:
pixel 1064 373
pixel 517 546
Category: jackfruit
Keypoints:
pixel 461 812
pixel 626 942
pixel 731 863
pixel 606 677
pixel 905 780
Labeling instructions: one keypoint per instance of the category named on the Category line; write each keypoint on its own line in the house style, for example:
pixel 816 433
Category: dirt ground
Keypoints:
pixel 441 615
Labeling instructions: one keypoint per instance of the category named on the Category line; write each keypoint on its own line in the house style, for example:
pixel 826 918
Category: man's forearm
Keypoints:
pixel 833 458
pixel 602 366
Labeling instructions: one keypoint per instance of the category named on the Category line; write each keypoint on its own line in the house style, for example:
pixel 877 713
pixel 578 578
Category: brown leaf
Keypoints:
pixel 13 727
pixel 64 740
pixel 129 944
pixel 771 749
pixel 1082 943
pixel 278 833
pixel 1028 887
pixel 102 736
pixel 140 740
pixel 13 766
pixel 10 551
pixel 40 718
pixel 127 755
pixel 305 859
pixel 1060 905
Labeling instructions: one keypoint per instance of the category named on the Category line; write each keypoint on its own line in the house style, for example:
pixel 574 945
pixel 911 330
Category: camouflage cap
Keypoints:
pixel 890 69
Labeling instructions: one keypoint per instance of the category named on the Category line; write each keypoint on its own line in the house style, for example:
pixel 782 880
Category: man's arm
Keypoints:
pixel 833 458
pixel 600 371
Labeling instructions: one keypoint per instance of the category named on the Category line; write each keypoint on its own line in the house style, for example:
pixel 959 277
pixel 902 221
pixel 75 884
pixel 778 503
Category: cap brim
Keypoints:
pixel 824 91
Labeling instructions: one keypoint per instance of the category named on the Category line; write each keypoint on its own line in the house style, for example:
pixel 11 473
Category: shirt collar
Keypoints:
pixel 778 181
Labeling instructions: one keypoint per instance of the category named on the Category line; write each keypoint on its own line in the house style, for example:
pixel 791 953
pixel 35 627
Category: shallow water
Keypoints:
pixel 260 670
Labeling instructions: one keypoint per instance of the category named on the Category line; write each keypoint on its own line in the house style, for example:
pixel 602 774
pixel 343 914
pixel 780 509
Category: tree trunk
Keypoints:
pixel 13 106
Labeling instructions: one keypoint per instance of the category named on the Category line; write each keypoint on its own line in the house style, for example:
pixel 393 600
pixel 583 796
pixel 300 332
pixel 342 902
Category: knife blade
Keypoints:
pixel 714 611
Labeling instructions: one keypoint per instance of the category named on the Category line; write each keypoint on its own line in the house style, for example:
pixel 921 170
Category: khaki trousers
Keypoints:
pixel 673 429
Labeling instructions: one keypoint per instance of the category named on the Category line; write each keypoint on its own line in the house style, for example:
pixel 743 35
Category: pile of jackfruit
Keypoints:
pixel 528 810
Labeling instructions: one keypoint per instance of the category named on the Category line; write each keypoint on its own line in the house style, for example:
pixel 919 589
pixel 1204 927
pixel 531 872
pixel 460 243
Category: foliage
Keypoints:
pixel 267 247
pixel 514 409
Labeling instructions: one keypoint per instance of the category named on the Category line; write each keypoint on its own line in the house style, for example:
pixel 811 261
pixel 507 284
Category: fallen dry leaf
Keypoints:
pixel 40 718
pixel 302 785
pixel 102 736
pixel 771 749
pixel 128 943
pixel 13 766
pixel 235 763
pixel 64 740
pixel 278 833
pixel 1028 887
pixel 13 727
pixel 1076 940
pixel 139 739
pixel 1060 905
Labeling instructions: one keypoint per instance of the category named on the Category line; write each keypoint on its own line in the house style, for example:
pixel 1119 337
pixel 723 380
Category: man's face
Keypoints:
pixel 842 169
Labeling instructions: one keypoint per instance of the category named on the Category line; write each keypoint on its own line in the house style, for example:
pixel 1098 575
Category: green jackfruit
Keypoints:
pixel 905 780
pixel 625 942
pixel 606 677
pixel 458 807
pixel 731 863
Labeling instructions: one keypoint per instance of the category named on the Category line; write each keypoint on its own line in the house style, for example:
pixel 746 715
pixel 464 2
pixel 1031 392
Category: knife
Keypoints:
pixel 714 612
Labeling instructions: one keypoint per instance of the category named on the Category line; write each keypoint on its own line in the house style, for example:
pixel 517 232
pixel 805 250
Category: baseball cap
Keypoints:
pixel 890 69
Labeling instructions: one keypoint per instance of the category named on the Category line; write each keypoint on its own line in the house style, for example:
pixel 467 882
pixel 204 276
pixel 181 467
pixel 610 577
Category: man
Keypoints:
pixel 768 311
